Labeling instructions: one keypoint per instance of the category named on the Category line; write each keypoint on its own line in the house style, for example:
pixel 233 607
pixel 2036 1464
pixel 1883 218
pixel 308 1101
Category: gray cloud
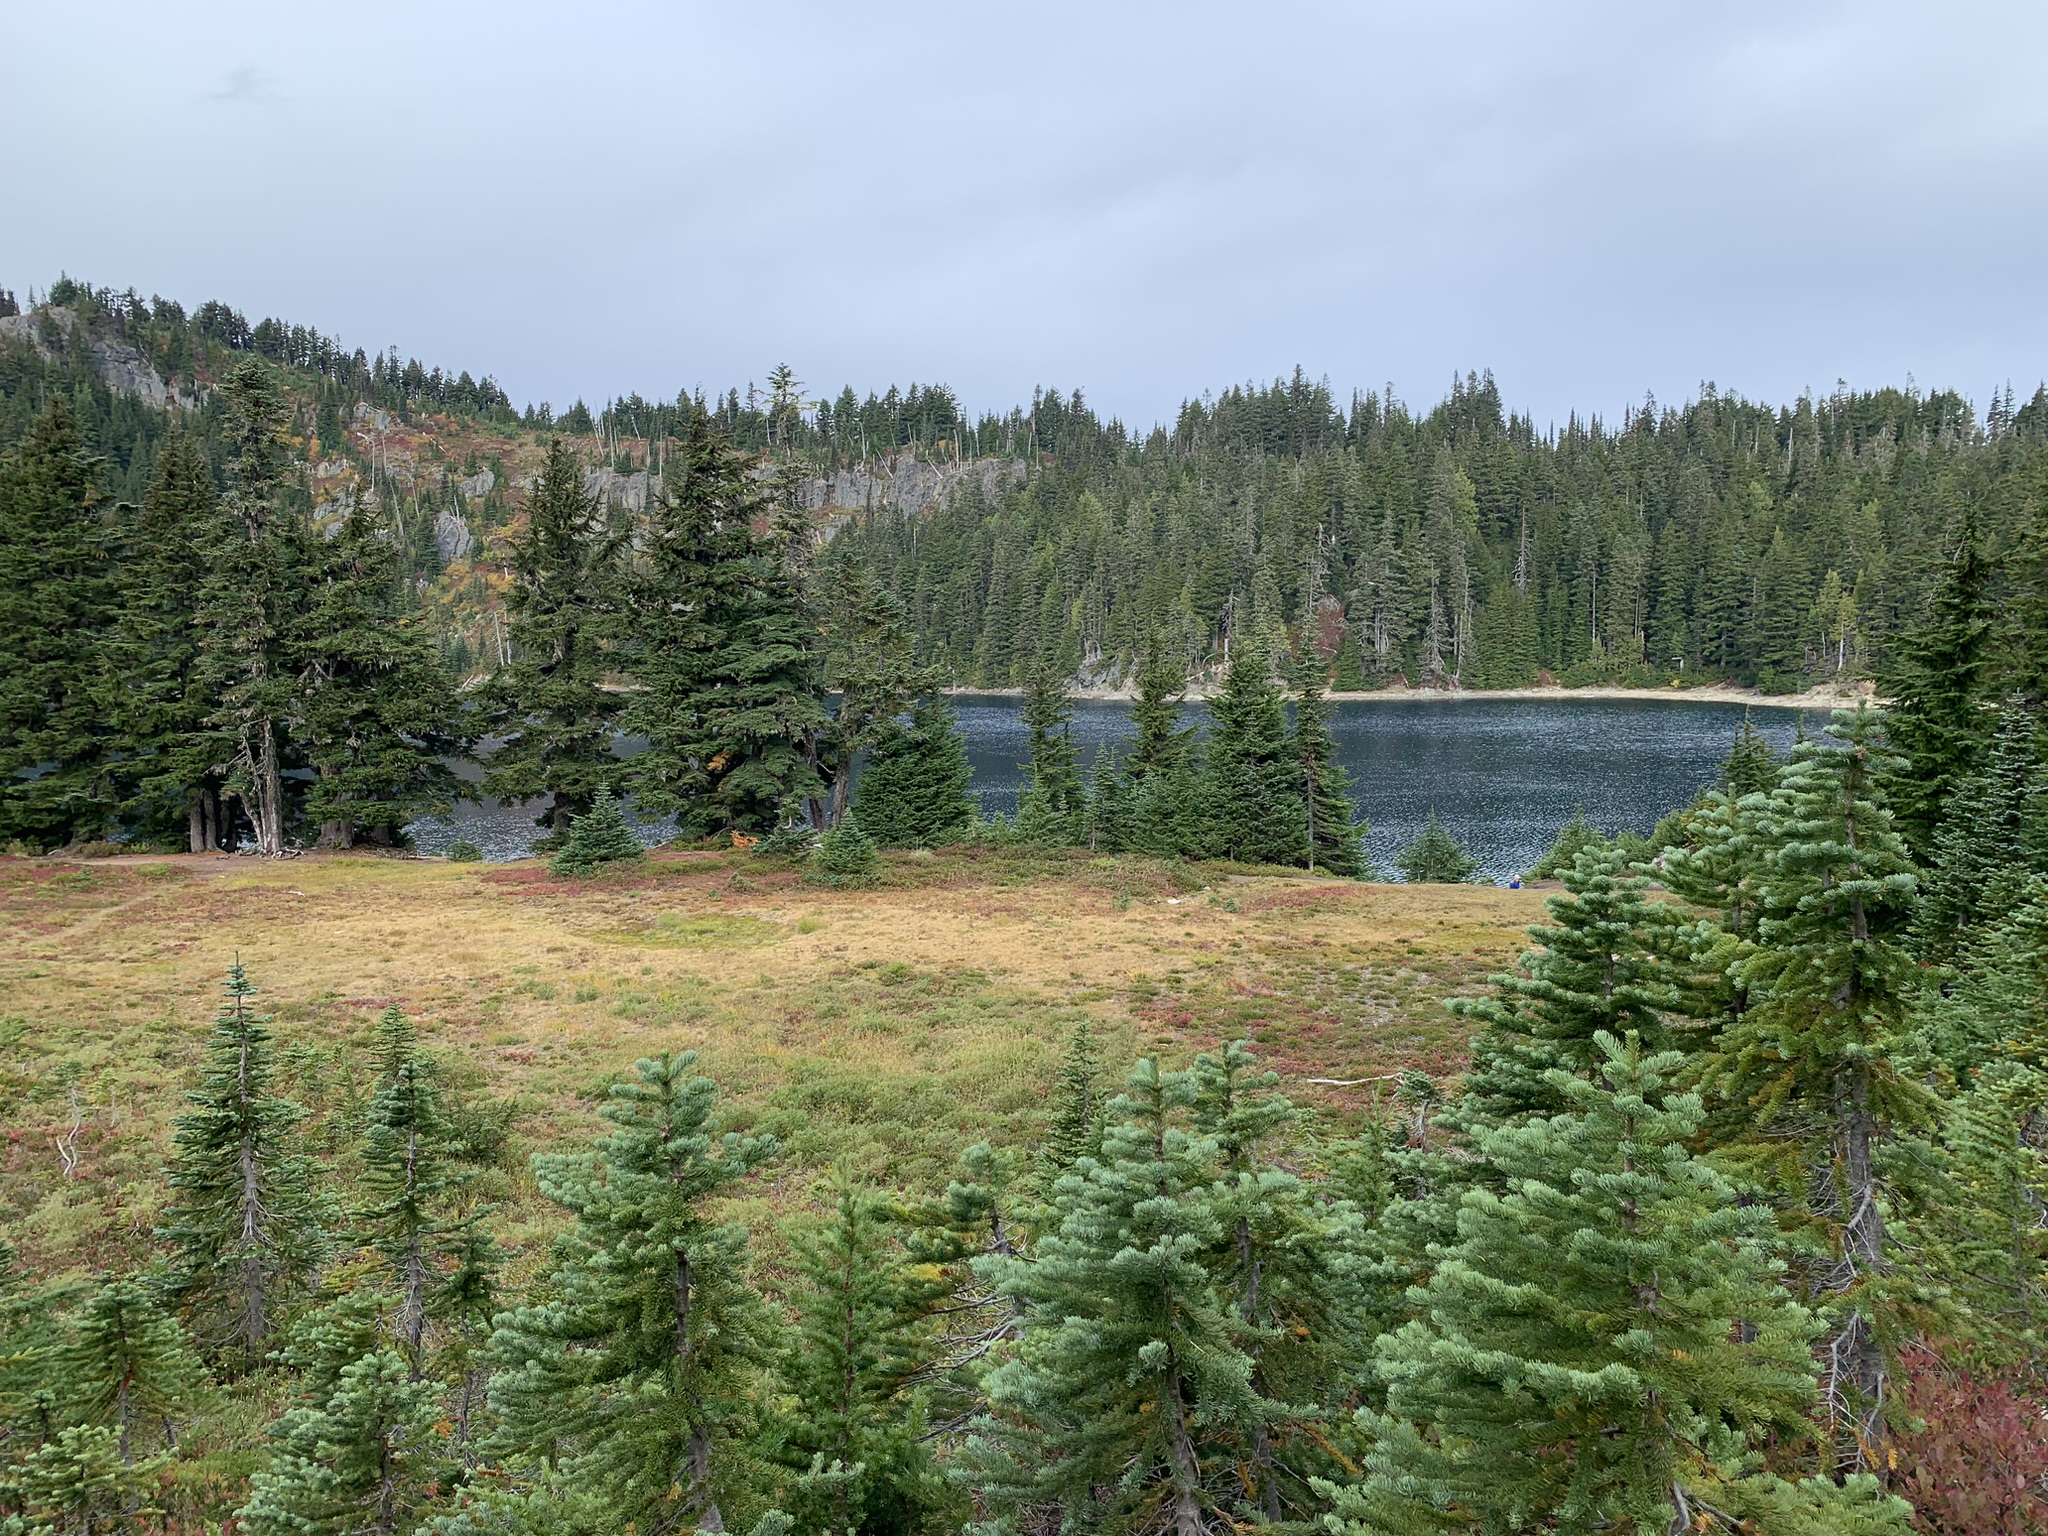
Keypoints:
pixel 1147 201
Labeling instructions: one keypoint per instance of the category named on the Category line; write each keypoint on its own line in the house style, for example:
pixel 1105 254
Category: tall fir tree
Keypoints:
pixel 731 697
pixel 1053 809
pixel 548 705
pixel 248 609
pixel 151 650
pixel 1335 838
pixel 375 712
pixel 634 1374
pixel 1605 1345
pixel 52 596
pixel 1809 1064
pixel 869 663
pixel 1937 682
pixel 915 788
pixel 1993 835
pixel 1255 802
pixel 243 1226
pixel 405 1176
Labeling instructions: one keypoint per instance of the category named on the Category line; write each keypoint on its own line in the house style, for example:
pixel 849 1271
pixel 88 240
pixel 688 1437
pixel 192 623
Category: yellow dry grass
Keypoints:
pixel 884 1028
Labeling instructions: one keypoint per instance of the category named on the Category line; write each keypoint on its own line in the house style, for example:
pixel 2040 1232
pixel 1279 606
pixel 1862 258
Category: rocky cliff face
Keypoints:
pixel 910 485
pixel 119 366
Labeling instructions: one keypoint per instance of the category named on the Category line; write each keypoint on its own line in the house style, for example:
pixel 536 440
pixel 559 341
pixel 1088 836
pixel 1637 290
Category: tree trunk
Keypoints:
pixel 198 835
pixel 1856 1372
pixel 1187 1474
pixel 267 785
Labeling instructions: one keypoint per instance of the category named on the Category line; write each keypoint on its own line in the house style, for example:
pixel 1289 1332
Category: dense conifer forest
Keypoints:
pixel 1733 1220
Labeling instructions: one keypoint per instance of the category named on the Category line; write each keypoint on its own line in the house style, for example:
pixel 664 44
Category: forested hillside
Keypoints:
pixel 1778 546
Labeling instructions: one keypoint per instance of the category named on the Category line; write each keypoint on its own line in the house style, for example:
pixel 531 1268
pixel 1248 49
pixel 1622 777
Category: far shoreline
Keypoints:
pixel 1713 693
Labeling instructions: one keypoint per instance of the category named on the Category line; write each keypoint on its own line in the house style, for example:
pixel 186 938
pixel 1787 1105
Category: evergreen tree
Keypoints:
pixel 1751 767
pixel 375 713
pixel 1053 809
pixel 597 837
pixel 1108 825
pixel 1255 803
pixel 361 1451
pixel 1573 839
pixel 845 855
pixel 243 1226
pixel 248 610
pixel 1286 1262
pixel 1155 714
pixel 128 1367
pixel 1812 1055
pixel 1937 681
pixel 915 788
pixel 853 1436
pixel 1335 835
pixel 150 690
pixel 547 705
pixel 1075 1129
pixel 1609 962
pixel 633 1372
pixel 405 1174
pixel 1129 1360
pixel 1436 858
pixel 869 663
pixel 76 1484
pixel 1347 667
pixel 1605 1346
pixel 52 593
pixel 730 691
pixel 1991 837
pixel 1169 810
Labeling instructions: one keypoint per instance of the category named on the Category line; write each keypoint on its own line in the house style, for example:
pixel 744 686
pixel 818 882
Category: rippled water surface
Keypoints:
pixel 1501 774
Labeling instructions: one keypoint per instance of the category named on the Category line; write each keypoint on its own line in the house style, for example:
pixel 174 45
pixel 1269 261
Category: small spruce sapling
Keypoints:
pixel 596 838
pixel 1436 858
pixel 845 855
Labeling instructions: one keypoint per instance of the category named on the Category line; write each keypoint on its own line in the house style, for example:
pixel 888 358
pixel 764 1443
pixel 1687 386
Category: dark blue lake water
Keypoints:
pixel 1502 774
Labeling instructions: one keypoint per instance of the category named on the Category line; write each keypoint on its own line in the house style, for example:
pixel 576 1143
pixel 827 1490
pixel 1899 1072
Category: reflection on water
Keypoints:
pixel 1502 774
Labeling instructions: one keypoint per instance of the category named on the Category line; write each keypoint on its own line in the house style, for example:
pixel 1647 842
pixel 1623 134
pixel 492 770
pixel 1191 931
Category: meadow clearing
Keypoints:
pixel 882 1029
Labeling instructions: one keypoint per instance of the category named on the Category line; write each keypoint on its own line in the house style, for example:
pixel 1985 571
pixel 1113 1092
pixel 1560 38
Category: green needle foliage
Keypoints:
pixel 1131 1361
pixel 1609 962
pixel 362 1451
pixel 547 704
pixel 405 1175
pixel 244 1229
pixel 597 837
pixel 1810 1062
pixel 731 700
pixel 914 790
pixel 1075 1128
pixel 1577 1363
pixel 128 1366
pixel 1436 858
pixel 853 1434
pixel 845 855
pixel 51 587
pixel 1335 835
pixel 634 1371
pixel 1053 809
pixel 1256 774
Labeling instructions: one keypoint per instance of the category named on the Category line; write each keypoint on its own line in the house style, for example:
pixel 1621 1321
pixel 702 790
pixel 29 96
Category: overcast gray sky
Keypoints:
pixel 1141 200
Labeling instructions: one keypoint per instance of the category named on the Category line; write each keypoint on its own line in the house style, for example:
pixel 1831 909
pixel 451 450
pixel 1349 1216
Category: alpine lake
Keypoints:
pixel 1501 774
